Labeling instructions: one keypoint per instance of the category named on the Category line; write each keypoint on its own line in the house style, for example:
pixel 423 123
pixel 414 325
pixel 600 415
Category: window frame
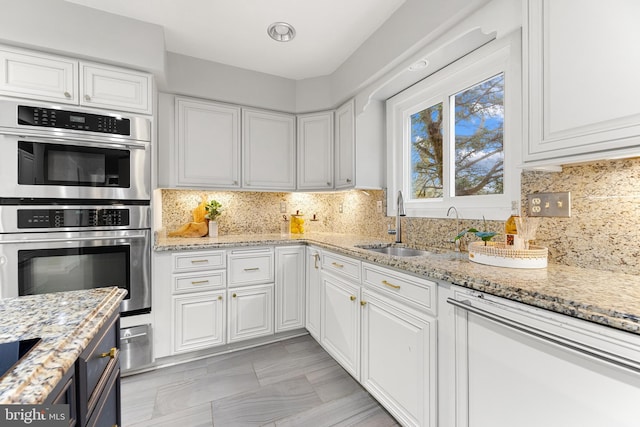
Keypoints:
pixel 499 56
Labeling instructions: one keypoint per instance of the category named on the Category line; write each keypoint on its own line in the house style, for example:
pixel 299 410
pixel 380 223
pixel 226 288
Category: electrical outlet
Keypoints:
pixel 550 204
pixel 340 208
pixel 379 206
pixel 283 207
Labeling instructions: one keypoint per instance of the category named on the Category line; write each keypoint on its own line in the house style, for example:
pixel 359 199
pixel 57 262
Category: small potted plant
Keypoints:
pixel 214 210
pixel 486 236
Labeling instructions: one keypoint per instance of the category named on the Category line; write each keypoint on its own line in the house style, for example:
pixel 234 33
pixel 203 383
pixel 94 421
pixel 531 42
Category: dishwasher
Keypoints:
pixel 135 348
pixel 518 365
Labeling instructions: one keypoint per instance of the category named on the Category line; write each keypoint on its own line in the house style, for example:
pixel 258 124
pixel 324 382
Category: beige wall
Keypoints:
pixel 602 232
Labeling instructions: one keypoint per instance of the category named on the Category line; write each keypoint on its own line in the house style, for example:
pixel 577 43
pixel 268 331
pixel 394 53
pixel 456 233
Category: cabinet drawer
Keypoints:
pixel 418 292
pixel 96 363
pixel 198 261
pixel 251 267
pixel 194 282
pixel 342 266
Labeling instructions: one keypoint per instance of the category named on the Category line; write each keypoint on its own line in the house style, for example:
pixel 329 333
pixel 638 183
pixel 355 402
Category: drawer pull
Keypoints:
pixel 199 282
pixel 199 261
pixel 335 264
pixel 252 269
pixel 352 297
pixel 363 303
pixel 234 295
pixel 391 285
pixel 111 354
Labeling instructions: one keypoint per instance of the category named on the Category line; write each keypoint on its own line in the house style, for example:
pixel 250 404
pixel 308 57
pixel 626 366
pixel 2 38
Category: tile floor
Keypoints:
pixel 290 383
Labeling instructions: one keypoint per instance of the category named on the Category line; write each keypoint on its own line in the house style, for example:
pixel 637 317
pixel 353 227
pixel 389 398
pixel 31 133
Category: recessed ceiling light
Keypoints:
pixel 281 32
pixel 419 65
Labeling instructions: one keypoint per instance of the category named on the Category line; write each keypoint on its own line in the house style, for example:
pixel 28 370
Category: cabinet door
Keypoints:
pixel 508 374
pixel 583 65
pixel 315 151
pixel 32 75
pixel 313 292
pixel 208 141
pixel 268 150
pixel 115 88
pixel 289 288
pixel 250 312
pixel 198 321
pixel 345 146
pixel 399 359
pixel 340 322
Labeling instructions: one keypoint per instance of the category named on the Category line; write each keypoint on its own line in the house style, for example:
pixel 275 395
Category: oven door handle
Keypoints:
pixel 74 239
pixel 86 142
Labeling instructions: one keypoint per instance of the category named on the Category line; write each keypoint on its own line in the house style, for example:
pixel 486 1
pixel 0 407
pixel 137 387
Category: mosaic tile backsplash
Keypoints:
pixel 602 232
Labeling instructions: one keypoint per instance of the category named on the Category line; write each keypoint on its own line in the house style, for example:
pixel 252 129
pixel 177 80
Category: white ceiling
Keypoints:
pixel 234 32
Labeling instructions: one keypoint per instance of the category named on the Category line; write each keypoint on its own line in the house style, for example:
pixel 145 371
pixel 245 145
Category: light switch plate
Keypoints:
pixel 550 204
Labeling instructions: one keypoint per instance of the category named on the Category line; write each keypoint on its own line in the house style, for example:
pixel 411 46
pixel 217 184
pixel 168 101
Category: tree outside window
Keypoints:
pixel 478 151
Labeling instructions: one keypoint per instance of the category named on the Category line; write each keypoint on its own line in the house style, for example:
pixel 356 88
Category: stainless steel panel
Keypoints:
pixel 139 218
pixel 135 347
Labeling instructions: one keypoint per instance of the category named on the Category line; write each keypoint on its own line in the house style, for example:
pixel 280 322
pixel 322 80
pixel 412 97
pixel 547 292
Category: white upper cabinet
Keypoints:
pixel 208 144
pixel 268 150
pixel 38 76
pixel 315 151
pixel 583 64
pixel 109 87
pixel 34 75
pixel 345 146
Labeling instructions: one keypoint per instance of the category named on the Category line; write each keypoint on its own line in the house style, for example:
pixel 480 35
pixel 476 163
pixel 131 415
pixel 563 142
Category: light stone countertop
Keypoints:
pixel 66 322
pixel 603 297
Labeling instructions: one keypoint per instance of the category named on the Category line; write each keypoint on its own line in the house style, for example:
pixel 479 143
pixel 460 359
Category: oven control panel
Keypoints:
pixel 63 218
pixel 74 120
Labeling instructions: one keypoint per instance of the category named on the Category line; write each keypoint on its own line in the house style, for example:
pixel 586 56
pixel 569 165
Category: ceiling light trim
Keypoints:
pixel 281 31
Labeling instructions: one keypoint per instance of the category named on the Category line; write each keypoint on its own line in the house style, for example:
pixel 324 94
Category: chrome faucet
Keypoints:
pixel 459 241
pixel 399 213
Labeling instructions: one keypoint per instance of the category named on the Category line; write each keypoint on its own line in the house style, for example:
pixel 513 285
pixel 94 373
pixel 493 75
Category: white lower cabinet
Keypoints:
pixel 289 295
pixel 250 312
pixel 398 359
pixel 340 322
pixel 313 282
pixel 199 320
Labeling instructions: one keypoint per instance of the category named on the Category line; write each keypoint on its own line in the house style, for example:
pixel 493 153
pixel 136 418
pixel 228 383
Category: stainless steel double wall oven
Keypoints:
pixel 75 196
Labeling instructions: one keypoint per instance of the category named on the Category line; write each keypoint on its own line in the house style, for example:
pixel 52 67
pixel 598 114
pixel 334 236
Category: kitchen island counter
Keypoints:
pixel 607 298
pixel 66 322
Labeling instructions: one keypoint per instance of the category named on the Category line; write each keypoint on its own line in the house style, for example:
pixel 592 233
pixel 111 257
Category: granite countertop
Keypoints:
pixel 66 322
pixel 607 298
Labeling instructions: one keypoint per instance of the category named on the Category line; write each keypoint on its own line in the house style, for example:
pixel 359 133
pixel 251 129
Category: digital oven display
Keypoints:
pixel 76 119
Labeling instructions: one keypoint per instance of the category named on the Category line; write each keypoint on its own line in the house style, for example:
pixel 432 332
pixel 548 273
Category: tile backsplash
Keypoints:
pixel 602 232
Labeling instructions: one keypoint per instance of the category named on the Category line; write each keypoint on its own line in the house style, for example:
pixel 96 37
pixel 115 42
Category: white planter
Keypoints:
pixel 213 228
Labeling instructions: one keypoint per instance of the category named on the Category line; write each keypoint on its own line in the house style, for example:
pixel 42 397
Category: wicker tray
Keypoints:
pixel 500 255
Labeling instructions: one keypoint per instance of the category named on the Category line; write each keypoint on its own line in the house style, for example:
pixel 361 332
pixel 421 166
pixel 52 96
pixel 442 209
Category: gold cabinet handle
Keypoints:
pixel 199 282
pixel 391 285
pixel 335 264
pixel 198 261
pixel 352 298
pixel 87 98
pixel 67 95
pixel 219 297
pixel 316 257
pixel 363 303
pixel 234 295
pixel 252 269
pixel 111 354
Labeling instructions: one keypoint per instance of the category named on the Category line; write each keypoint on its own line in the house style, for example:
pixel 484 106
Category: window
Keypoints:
pixel 454 138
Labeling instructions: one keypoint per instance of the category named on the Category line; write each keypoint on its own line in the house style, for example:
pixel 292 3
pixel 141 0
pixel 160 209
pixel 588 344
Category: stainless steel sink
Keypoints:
pixel 396 251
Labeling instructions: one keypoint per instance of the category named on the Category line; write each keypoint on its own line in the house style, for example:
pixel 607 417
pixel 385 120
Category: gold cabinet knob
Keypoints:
pixel 234 295
pixel 219 297
pixel 363 303
pixel 352 297
pixel 111 354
